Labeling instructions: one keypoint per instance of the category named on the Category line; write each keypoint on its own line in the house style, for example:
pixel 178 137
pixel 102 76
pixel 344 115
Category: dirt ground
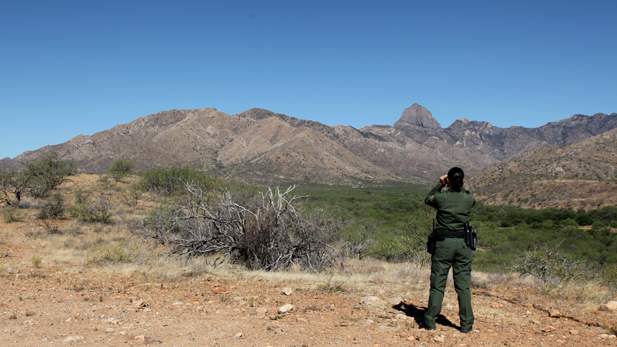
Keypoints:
pixel 51 304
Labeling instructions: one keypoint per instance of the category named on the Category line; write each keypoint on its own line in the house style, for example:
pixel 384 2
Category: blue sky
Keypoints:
pixel 80 67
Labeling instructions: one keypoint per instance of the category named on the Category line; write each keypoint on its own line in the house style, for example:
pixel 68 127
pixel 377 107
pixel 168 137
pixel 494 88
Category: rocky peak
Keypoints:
pixel 256 113
pixel 418 116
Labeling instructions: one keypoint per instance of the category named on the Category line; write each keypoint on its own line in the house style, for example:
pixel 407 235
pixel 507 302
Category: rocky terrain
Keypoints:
pixel 265 147
pixel 582 174
pixel 59 304
pixel 70 282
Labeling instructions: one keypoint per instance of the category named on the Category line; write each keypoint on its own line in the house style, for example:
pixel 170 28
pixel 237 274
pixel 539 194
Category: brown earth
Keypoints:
pixel 72 305
pixel 77 283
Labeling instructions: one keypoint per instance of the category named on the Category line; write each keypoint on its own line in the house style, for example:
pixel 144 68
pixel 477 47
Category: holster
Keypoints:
pixel 471 237
pixel 436 235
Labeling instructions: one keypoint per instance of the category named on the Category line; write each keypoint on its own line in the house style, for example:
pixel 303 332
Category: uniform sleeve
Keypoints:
pixel 430 198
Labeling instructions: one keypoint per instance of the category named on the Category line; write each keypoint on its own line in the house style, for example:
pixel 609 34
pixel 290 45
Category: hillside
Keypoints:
pixel 582 174
pixel 260 146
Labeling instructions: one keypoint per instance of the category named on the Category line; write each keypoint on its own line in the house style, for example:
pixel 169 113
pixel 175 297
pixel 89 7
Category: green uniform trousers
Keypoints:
pixel 451 252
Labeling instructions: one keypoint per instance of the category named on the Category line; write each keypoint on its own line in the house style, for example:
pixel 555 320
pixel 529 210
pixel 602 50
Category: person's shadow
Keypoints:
pixel 411 310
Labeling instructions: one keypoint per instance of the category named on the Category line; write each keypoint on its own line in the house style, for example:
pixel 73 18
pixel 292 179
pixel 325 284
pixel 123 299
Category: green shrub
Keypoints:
pixel 171 181
pixel 12 215
pixel 97 210
pixel 48 173
pixel 120 169
pixel 53 209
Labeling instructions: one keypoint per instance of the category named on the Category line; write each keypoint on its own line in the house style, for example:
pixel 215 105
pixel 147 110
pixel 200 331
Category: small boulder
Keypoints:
pixel 609 306
pixel 395 300
pixel 139 303
pixel 439 339
pixel 554 313
pixel 286 308
pixel 548 329
pixel 287 291
pixel 373 301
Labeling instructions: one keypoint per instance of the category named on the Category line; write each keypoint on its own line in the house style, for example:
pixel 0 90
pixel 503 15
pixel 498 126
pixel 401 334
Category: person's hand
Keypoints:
pixel 443 180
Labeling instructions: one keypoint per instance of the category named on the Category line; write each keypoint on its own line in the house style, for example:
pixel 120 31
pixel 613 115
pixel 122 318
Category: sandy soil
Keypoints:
pixel 57 305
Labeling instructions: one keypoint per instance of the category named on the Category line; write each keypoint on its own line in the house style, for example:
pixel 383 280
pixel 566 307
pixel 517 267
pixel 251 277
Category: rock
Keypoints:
pixel 573 332
pixel 151 339
pixel 29 322
pixel 373 301
pixel 609 306
pixel 287 291
pixel 419 116
pixel 439 338
pixel 496 305
pixel 109 330
pixel 239 335
pixel 70 339
pixel 606 336
pixel 177 303
pixel 401 316
pixel 548 329
pixel 221 290
pixel 554 313
pixel 286 308
pixel 262 310
pixel 394 301
pixel 139 303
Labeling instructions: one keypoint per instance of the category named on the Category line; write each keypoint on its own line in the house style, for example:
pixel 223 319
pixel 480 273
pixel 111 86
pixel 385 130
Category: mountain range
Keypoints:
pixel 578 175
pixel 260 146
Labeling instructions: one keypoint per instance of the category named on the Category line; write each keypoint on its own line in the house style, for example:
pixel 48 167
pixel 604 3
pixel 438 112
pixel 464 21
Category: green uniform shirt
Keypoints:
pixel 453 208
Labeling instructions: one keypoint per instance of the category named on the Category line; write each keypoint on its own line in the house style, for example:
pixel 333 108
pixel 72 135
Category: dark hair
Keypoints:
pixel 455 177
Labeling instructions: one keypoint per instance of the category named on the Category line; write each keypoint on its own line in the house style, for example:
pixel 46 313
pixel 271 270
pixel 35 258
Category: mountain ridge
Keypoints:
pixel 261 146
pixel 578 175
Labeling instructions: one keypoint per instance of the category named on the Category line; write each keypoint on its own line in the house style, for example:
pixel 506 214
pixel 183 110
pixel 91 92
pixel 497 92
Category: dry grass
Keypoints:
pixel 112 250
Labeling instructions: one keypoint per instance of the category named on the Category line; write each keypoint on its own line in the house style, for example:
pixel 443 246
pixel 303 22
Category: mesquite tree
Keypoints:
pixel 264 231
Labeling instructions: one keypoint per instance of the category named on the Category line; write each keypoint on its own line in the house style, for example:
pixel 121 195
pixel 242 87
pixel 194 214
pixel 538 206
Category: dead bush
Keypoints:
pixel 264 231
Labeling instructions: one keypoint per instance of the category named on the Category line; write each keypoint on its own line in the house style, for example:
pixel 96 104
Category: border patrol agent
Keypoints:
pixel 453 211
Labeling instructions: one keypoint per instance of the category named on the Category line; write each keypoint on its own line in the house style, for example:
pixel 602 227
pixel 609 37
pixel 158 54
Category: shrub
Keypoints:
pixel 53 209
pixel 263 231
pixel 172 181
pixel 97 210
pixel 48 173
pixel 549 264
pixel 120 169
pixel 14 184
pixel 12 215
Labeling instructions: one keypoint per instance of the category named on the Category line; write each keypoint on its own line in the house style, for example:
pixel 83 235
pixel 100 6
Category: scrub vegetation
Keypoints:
pixel 186 213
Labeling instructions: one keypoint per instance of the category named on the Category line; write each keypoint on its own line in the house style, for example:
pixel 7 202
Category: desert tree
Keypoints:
pixel 120 169
pixel 264 231
pixel 48 173
pixel 14 184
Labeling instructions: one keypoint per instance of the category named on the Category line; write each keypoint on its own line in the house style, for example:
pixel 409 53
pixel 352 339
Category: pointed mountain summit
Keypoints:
pixel 270 148
pixel 418 116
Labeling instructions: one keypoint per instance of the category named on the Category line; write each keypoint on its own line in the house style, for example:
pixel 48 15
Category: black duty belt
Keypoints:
pixel 455 234
pixel 452 234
